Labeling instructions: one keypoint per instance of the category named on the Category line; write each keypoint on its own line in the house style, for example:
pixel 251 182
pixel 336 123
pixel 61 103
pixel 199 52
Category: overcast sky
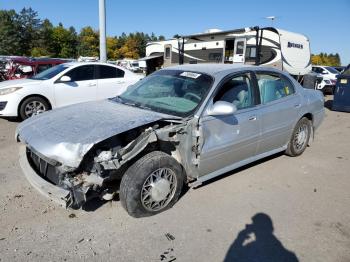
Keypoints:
pixel 326 23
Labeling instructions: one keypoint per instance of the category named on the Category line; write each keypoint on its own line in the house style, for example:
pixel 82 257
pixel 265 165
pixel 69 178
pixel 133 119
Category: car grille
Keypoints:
pixel 43 168
pixel 2 105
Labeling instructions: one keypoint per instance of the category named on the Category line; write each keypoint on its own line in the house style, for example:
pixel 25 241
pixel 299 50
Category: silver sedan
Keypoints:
pixel 179 126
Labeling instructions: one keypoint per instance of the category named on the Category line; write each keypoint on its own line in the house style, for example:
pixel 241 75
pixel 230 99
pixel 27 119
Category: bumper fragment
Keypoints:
pixel 55 193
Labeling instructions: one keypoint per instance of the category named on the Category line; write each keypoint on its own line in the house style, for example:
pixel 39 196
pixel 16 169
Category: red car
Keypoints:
pixel 16 67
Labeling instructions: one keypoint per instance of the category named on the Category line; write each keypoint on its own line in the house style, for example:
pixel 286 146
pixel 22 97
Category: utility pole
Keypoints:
pixel 102 22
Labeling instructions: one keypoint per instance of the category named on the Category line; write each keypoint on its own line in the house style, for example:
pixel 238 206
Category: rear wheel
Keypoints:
pixel 151 185
pixel 300 137
pixel 33 106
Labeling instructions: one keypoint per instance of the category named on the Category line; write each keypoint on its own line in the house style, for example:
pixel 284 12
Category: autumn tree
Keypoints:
pixel 326 59
pixel 88 42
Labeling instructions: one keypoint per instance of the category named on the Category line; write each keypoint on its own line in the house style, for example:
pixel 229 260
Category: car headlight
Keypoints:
pixel 6 91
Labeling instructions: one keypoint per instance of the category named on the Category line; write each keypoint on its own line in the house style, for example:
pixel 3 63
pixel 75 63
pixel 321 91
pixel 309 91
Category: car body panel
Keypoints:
pixel 228 139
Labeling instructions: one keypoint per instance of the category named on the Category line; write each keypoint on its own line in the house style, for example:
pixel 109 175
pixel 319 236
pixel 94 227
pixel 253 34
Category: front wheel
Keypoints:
pixel 151 185
pixel 300 137
pixel 33 106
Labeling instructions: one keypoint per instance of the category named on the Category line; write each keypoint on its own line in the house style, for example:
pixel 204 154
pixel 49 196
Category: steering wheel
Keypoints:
pixel 193 97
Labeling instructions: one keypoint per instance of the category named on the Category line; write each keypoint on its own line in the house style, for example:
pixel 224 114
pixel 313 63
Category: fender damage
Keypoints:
pixel 106 161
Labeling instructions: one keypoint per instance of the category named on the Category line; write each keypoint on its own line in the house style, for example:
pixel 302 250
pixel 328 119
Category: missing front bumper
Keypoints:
pixel 55 193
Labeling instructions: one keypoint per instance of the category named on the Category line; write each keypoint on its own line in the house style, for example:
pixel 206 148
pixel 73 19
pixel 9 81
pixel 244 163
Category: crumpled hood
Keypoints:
pixel 67 134
pixel 19 82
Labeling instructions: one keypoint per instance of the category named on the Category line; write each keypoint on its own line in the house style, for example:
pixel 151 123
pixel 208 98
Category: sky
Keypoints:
pixel 325 22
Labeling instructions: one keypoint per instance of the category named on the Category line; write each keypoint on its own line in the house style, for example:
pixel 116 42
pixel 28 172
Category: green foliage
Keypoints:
pixel 326 59
pixel 88 42
pixel 24 33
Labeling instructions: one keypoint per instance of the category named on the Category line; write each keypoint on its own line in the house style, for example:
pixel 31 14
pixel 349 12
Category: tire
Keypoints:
pixel 135 185
pixel 299 141
pixel 38 105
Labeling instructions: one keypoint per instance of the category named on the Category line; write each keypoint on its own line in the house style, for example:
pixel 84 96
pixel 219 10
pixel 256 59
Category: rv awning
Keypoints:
pixel 150 57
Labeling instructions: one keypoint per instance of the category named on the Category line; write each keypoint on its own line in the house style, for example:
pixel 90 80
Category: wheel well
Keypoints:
pixel 308 116
pixel 41 96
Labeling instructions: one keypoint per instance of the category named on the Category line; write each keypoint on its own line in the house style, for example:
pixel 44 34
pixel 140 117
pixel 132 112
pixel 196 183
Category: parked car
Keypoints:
pixel 63 85
pixel 180 125
pixel 340 69
pixel 17 67
pixel 329 78
pixel 341 100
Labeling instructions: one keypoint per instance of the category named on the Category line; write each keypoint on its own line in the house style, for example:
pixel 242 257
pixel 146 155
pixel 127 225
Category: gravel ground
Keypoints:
pixel 306 198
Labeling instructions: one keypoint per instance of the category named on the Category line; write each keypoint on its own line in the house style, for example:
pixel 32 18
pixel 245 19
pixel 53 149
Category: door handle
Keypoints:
pixel 297 105
pixel 252 118
pixel 91 84
pixel 120 82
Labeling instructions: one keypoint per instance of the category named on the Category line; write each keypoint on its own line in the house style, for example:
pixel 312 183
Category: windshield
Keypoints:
pixel 51 72
pixel 332 70
pixel 173 92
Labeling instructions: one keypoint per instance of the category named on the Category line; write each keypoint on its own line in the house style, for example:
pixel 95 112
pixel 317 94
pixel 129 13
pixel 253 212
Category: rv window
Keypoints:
pixel 215 57
pixel 273 87
pixel 240 48
pixel 167 52
pixel 251 52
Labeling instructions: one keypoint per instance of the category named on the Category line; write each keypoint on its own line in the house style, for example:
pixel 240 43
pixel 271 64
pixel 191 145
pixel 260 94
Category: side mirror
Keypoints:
pixel 222 108
pixel 65 79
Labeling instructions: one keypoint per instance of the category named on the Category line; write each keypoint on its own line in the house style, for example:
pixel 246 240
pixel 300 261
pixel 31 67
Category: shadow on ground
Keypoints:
pixel 328 104
pixel 256 242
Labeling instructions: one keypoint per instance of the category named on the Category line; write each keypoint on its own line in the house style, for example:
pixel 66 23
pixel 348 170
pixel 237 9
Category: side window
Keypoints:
pixel 81 73
pixel 41 68
pixel 273 87
pixel 238 91
pixel 104 72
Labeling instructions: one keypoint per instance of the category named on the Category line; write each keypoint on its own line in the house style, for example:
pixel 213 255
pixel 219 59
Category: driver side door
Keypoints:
pixel 81 88
pixel 229 139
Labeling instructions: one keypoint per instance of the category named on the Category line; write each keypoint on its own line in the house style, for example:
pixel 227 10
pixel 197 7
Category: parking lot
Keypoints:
pixel 307 198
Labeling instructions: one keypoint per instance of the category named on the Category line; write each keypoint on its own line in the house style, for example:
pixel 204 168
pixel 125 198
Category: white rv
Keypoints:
pixel 257 46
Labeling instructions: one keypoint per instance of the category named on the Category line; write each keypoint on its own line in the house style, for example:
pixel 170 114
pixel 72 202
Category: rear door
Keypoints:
pixel 231 138
pixel 111 81
pixel 81 88
pixel 279 110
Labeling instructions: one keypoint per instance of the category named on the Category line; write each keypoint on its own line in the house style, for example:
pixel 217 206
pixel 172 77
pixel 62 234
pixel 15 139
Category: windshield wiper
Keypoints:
pixel 121 100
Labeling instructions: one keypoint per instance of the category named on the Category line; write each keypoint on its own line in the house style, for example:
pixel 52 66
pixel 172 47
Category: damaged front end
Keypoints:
pixel 105 163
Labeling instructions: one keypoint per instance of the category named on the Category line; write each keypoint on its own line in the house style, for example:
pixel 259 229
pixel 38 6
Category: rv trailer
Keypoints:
pixel 256 46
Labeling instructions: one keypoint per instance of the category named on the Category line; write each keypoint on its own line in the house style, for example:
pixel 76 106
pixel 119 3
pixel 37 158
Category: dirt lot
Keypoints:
pixel 306 198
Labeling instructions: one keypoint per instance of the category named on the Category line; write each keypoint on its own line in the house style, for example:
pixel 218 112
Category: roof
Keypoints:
pixel 214 69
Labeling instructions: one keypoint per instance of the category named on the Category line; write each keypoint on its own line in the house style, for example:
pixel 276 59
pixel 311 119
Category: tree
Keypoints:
pixel 43 45
pixel 326 59
pixel 10 40
pixel 29 29
pixel 64 42
pixel 88 42
pixel 112 48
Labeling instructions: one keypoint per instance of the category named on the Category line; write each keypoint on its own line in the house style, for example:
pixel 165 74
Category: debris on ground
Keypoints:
pixel 169 236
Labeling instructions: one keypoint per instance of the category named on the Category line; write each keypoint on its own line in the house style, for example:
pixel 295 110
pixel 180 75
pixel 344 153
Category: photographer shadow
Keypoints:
pixel 258 243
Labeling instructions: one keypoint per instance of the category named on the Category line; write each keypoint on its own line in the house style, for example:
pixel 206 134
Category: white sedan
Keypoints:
pixel 62 85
